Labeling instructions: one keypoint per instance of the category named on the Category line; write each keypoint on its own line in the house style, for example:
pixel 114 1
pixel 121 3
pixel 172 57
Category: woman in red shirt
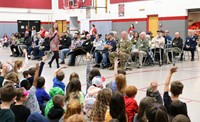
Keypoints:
pixel 42 31
pixel 132 28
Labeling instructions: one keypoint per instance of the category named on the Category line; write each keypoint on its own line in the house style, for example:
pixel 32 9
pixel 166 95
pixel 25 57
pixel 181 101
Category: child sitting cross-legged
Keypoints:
pixel 21 112
pixel 57 111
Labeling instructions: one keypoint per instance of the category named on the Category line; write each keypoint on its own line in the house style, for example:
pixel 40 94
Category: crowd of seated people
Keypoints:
pixel 161 48
pixel 23 97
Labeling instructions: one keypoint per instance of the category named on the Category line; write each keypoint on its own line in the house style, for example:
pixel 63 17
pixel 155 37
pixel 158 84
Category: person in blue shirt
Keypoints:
pixel 41 94
pixel 167 37
pixel 59 76
pixel 190 44
pixel 110 46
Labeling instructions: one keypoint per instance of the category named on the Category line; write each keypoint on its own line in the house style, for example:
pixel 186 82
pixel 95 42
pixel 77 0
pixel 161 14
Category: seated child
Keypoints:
pixel 153 92
pixel 21 112
pixel 169 101
pixel 59 76
pixel 90 98
pixel 32 102
pixel 131 105
pixel 53 92
pixel 41 94
pixel 57 111
pixel 8 96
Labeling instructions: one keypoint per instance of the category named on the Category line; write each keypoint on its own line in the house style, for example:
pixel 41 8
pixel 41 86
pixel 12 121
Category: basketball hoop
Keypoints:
pixel 72 4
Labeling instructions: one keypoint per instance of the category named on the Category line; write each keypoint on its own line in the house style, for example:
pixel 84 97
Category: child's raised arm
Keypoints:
pixel 37 68
pixel 167 82
pixel 56 71
pixel 115 66
pixel 88 58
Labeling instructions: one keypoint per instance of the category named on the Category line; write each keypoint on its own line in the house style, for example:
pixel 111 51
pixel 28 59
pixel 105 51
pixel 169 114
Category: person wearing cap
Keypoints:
pixel 157 44
pixel 109 47
pixel 190 44
pixel 92 92
pixel 123 52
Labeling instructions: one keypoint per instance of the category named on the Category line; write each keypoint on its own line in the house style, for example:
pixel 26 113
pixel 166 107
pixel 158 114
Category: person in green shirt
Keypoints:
pixel 142 46
pixel 123 52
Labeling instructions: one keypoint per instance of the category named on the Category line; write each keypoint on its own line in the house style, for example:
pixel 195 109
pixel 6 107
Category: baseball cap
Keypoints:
pixel 159 31
pixel 98 81
pixel 111 33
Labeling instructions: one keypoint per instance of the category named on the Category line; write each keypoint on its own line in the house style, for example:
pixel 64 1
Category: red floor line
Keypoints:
pixel 187 99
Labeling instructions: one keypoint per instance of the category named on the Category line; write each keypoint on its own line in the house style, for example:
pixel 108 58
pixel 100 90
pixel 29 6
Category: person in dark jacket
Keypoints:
pixel 65 41
pixel 86 47
pixel 190 44
pixel 177 45
pixel 45 45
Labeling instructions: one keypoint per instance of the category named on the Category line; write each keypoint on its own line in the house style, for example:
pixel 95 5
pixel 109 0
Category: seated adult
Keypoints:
pixel 98 44
pixel 45 46
pixel 86 47
pixel 157 45
pixel 65 41
pixel 27 43
pixel 76 43
pixel 35 47
pixel 123 52
pixel 190 44
pixel 142 46
pixel 109 47
pixel 177 45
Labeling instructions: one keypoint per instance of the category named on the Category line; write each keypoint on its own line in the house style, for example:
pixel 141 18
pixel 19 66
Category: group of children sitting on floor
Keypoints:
pixel 24 99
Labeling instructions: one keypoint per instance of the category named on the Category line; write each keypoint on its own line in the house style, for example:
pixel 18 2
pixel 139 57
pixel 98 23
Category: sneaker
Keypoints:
pixel 96 66
pixel 111 68
pixel 192 59
pixel 62 62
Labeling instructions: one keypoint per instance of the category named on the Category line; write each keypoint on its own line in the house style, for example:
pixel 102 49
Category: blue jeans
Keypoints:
pixel 105 58
pixel 63 53
pixel 98 57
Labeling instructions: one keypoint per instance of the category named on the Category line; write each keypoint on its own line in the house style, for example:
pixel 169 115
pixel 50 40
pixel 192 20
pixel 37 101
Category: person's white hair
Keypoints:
pixel 114 32
pixel 143 33
pixel 177 33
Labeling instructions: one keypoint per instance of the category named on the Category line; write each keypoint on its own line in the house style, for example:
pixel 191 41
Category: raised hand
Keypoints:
pixel 88 57
pixel 173 70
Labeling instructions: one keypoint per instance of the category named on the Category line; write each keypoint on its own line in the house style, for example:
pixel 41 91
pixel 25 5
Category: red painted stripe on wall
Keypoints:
pixel 143 19
pixel 173 18
pixel 122 1
pixel 35 4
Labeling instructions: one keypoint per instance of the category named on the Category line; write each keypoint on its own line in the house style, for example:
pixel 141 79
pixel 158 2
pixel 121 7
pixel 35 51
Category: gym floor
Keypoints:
pixel 188 74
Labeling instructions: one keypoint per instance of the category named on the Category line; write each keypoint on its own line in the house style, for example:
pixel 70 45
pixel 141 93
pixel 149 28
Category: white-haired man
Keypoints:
pixel 142 45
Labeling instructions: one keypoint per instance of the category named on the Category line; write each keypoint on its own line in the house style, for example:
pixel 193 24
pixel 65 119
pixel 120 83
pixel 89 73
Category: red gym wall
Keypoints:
pixel 86 3
pixel 34 4
pixel 122 1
